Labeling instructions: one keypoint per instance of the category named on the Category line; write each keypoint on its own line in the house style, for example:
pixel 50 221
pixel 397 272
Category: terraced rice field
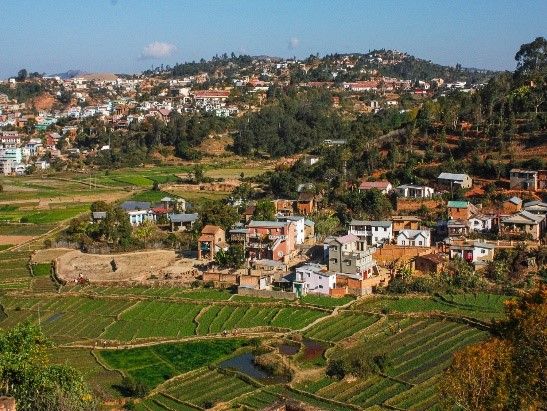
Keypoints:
pixel 162 402
pixel 14 270
pixel 151 319
pixel 218 318
pixel 204 388
pixel 479 305
pixel 341 326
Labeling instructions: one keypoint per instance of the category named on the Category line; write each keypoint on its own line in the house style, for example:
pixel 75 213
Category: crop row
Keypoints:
pixel 207 387
pixel 256 400
pixel 423 396
pixel 340 327
pixel 219 318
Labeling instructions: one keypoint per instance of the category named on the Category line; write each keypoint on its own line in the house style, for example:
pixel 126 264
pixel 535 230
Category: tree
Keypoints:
pixel 144 231
pixel 22 75
pixel 25 373
pixel 532 57
pixel 507 372
pixel 198 173
pixel 233 257
pixel 264 211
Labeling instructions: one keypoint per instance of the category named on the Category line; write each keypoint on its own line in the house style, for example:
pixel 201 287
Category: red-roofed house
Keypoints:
pixel 384 186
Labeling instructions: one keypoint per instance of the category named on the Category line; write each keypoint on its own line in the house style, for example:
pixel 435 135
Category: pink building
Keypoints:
pixel 273 240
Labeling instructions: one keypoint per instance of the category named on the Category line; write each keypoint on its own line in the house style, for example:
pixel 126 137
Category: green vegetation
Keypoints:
pixel 479 305
pixel 339 327
pixel 155 364
pixel 41 269
pixel 324 301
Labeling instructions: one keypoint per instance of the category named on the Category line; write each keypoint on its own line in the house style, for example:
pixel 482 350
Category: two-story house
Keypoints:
pixel 348 254
pixel 372 232
pixel 210 242
pixel 273 240
pixel 414 238
pixel 523 179
pixel 414 191
pixel 524 223
pixel 455 180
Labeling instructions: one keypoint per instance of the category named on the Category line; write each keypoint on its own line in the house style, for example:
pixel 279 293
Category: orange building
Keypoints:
pixel 211 240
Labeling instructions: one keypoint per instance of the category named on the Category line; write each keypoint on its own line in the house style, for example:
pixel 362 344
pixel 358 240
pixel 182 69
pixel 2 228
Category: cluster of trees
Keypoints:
pixel 297 121
pixel 506 372
pixel 27 375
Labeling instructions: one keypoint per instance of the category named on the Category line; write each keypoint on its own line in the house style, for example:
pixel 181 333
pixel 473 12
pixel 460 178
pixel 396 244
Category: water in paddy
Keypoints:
pixel 288 349
pixel 245 363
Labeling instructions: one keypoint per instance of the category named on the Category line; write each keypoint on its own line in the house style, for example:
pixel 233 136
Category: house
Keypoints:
pixel 457 228
pixel 182 221
pixel 285 207
pixel 524 223
pixel 481 223
pixel 348 254
pixel 473 252
pixel 98 216
pixel 414 191
pixel 299 227
pixel 136 205
pixel 384 186
pixel 372 232
pixel 512 205
pixel 306 203
pixel 461 210
pixel 211 241
pixel 137 217
pixel 405 222
pixel 313 278
pixel 536 207
pixel 414 238
pixel 274 240
pixel 523 179
pixel 430 263
pixel 455 180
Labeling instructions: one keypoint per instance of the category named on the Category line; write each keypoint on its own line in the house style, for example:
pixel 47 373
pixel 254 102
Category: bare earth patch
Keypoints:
pixel 49 254
pixel 14 239
pixel 158 265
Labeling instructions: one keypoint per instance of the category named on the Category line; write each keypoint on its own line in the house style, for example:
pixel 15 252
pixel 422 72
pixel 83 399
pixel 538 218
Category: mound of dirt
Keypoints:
pixel 158 265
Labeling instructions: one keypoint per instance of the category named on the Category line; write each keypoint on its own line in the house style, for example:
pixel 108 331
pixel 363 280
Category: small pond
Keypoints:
pixel 313 349
pixel 289 349
pixel 245 363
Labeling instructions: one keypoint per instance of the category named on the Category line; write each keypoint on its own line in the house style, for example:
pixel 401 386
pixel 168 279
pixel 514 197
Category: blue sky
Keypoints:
pixel 132 35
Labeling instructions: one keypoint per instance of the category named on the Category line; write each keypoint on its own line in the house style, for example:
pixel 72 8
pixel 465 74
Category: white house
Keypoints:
pixel 481 223
pixel 314 278
pixel 373 232
pixel 299 225
pixel 137 217
pixel 414 191
pixel 473 252
pixel 414 238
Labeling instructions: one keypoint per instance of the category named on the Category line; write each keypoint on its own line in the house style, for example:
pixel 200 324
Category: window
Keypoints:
pixel 420 243
pixel 483 251
pixel 308 275
pixel 320 286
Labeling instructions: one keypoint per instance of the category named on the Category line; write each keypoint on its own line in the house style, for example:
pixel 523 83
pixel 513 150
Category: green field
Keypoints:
pixel 479 305
pixel 341 326
pixel 325 301
pixel 155 364
pixel 24 229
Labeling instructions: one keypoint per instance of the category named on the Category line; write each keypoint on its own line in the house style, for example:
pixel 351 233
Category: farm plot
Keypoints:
pixel 162 402
pixel 327 302
pixel 256 400
pixel 341 326
pixel 318 403
pixel 218 318
pixel 64 319
pixel 423 396
pixel 205 387
pixel 14 265
pixel 152 319
pixel 155 364
pixel 25 229
pixel 367 392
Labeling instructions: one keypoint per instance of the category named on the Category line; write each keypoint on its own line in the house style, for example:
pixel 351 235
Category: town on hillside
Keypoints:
pixel 357 231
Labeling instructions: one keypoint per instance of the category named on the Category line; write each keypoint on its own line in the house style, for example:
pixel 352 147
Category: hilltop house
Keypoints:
pixel 414 191
pixel 512 205
pixel 313 278
pixel 455 180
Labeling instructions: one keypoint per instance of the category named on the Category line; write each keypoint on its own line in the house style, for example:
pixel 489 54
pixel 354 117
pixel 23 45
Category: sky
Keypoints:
pixel 128 36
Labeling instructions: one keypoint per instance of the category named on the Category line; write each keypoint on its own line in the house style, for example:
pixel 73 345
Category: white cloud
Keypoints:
pixel 157 50
pixel 294 42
